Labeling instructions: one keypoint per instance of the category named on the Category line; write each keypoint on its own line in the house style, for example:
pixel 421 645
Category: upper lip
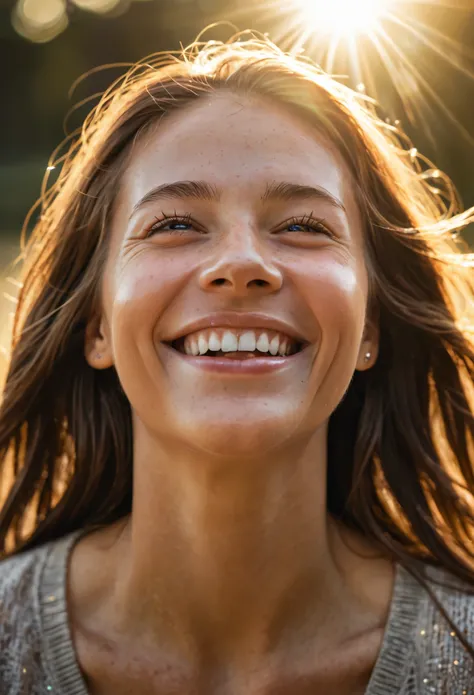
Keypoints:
pixel 234 319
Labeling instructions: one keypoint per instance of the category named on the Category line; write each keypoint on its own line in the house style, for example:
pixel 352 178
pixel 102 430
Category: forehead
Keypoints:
pixel 239 144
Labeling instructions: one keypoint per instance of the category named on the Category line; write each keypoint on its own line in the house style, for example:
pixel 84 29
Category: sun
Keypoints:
pixel 343 17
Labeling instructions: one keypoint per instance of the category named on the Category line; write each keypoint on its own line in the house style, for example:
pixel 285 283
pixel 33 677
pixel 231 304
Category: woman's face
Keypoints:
pixel 253 264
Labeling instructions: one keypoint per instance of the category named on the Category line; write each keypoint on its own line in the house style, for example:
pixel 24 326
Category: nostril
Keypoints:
pixel 258 282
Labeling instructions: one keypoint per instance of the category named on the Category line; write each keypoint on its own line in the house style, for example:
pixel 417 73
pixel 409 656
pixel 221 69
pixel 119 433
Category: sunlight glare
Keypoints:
pixel 344 17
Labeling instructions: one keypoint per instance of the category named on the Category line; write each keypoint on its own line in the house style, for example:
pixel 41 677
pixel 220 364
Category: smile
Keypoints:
pixel 237 344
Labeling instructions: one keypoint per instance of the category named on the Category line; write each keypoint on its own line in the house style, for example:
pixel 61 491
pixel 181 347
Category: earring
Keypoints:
pixel 367 356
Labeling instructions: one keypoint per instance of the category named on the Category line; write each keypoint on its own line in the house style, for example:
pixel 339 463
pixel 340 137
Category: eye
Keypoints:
pixel 162 223
pixel 308 224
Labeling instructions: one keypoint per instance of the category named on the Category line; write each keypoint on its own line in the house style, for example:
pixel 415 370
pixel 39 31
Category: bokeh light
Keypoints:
pixel 40 20
pixel 41 13
pixel 99 6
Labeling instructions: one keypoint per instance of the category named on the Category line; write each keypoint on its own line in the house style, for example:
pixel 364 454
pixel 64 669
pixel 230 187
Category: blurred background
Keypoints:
pixel 415 58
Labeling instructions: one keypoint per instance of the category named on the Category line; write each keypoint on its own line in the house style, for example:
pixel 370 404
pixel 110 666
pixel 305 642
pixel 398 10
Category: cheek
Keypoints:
pixel 336 293
pixel 140 290
pixel 339 287
pixel 337 296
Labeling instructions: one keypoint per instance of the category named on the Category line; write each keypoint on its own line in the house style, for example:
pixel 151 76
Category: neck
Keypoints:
pixel 231 557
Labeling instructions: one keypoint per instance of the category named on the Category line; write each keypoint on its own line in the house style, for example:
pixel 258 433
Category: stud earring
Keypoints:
pixel 367 356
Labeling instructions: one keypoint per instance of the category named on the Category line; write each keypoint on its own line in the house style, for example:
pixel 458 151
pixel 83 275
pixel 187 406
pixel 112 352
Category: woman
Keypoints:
pixel 237 425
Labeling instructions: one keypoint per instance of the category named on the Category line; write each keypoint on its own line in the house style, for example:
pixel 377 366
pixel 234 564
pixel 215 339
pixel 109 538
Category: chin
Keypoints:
pixel 246 434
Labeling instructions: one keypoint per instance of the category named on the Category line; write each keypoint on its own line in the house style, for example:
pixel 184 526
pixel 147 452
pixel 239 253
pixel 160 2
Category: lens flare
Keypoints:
pixel 343 17
pixel 397 48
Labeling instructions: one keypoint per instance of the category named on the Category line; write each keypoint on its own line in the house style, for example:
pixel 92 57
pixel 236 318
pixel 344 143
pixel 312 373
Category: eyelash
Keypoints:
pixel 310 221
pixel 305 221
pixel 160 222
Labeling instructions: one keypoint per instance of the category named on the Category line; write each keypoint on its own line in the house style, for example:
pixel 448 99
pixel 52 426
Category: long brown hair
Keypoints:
pixel 400 466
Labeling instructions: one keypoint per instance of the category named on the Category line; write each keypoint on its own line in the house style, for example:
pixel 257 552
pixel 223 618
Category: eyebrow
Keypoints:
pixel 201 190
pixel 295 191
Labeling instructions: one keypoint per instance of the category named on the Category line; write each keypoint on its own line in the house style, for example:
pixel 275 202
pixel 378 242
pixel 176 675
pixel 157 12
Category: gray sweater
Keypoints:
pixel 419 656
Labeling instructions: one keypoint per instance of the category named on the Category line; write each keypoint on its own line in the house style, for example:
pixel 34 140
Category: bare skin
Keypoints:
pixel 230 576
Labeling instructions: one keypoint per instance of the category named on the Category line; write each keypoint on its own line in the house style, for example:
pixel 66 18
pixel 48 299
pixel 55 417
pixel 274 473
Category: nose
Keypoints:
pixel 241 268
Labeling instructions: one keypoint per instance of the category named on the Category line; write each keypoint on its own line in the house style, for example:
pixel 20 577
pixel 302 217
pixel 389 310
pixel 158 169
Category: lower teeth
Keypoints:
pixel 236 355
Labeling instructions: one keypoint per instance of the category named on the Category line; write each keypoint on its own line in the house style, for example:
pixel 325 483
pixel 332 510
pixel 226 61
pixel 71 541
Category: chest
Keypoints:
pixel 108 671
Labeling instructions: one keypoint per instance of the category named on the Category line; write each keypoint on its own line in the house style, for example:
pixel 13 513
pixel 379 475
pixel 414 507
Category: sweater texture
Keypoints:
pixel 420 655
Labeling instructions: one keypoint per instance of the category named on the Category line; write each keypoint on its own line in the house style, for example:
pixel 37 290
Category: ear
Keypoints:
pixel 369 347
pixel 97 343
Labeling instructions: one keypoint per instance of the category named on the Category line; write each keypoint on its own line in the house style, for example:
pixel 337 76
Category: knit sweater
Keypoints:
pixel 419 654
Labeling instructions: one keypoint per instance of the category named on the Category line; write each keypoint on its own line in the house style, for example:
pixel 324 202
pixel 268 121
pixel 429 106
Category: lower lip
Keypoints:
pixel 225 365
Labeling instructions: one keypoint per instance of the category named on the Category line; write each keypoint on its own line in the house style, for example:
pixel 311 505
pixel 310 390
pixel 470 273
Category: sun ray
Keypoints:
pixel 337 35
pixel 392 68
pixel 361 42
pixel 332 52
pixel 423 82
pixel 355 61
pixel 435 47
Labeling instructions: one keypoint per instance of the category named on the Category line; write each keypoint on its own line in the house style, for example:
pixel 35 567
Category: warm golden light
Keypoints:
pixel 343 17
pixel 40 20
pixel 363 40
pixel 44 13
pixel 99 6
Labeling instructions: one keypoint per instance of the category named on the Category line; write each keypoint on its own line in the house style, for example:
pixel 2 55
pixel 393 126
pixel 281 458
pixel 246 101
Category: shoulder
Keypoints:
pixel 21 644
pixel 453 593
pixel 442 659
pixel 19 581
pixel 20 647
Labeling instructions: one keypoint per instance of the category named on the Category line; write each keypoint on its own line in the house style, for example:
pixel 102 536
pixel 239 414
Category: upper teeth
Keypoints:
pixel 234 340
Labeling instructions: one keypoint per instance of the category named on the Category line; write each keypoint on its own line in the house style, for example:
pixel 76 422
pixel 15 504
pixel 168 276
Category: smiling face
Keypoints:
pixel 262 260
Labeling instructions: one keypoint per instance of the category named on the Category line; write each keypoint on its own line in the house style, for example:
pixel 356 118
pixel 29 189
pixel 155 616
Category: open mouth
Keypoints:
pixel 237 344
